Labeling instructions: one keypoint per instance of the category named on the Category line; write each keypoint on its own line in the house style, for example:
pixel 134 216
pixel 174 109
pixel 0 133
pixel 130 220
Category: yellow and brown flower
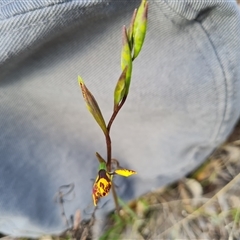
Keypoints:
pixel 102 185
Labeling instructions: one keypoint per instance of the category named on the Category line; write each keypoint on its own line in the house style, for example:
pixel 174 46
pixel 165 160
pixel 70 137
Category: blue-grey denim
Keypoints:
pixel 184 100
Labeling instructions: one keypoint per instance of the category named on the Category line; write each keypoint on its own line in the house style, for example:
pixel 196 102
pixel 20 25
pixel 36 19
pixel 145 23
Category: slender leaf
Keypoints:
pixel 126 59
pixel 120 88
pixel 92 105
pixel 140 27
pixel 130 30
pixel 101 161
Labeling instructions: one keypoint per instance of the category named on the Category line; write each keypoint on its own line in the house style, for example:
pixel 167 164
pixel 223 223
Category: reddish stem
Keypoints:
pixel 109 151
pixel 115 113
pixel 108 139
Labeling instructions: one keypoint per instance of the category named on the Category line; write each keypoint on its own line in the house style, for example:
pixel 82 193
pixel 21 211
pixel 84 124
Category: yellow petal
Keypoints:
pixel 95 195
pixel 125 172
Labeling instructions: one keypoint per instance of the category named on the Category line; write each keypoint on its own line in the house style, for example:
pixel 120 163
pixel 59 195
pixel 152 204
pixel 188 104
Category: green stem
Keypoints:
pixel 115 198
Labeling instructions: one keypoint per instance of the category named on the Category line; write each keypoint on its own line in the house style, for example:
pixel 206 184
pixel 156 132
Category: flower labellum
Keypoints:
pixel 102 185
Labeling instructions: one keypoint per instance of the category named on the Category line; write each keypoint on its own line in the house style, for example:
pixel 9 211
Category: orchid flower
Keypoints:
pixel 103 182
pixel 132 42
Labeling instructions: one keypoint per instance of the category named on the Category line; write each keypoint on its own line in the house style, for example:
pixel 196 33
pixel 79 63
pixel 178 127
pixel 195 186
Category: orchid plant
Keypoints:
pixel 132 42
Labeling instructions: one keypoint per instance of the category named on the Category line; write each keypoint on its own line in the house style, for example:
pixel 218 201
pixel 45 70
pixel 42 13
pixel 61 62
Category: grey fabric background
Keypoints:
pixel 183 102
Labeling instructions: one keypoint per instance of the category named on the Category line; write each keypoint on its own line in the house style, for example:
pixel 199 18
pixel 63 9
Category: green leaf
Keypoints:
pixel 120 88
pixel 92 105
pixel 101 161
pixel 126 59
pixel 140 27
pixel 130 30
